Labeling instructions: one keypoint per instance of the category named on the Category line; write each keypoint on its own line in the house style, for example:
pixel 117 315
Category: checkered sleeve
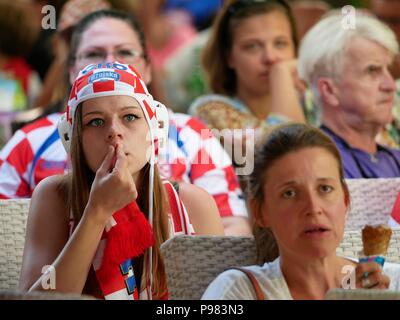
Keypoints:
pixel 211 167
pixel 15 158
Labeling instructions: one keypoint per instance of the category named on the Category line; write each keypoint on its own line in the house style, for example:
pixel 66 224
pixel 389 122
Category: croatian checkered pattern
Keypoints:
pixel 105 80
pixel 17 177
pixel 217 176
pixel 196 156
pixel 115 79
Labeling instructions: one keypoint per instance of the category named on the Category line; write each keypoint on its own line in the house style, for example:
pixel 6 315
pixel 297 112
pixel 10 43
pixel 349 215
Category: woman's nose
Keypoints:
pixel 110 56
pixel 270 55
pixel 312 204
pixel 115 131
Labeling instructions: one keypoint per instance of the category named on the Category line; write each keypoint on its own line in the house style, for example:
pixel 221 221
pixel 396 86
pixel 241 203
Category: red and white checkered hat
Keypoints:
pixel 114 79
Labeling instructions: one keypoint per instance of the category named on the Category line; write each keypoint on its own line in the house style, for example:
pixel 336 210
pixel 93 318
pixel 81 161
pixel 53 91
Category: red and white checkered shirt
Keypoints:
pixel 194 156
pixel 18 174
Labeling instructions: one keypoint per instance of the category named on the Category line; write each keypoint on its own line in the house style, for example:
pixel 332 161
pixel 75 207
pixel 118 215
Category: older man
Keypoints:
pixel 388 11
pixel 348 71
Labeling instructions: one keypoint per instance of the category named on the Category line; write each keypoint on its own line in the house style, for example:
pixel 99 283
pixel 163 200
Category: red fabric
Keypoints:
pixel 102 86
pixel 150 112
pixel 204 164
pixel 43 122
pixel 396 209
pixel 15 158
pixel 20 70
pixel 129 238
pixel 174 209
pixel 126 77
pixel 223 205
pixel 231 178
pixel 199 127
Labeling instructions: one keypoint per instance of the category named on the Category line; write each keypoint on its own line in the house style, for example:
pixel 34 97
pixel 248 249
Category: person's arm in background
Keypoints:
pixel 286 90
pixel 202 210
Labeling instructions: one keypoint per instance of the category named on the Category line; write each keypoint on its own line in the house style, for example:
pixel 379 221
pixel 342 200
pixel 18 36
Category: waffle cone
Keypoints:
pixel 376 239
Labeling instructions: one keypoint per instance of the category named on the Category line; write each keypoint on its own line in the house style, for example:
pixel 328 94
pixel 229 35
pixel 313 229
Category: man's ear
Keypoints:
pixel 328 91
pixel 257 213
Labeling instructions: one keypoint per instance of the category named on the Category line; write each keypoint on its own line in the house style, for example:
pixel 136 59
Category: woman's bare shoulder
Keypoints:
pixel 202 210
pixel 189 191
pixel 49 195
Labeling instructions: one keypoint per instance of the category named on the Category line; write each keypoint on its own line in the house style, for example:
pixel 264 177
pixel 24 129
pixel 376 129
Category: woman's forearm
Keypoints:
pixel 284 97
pixel 72 265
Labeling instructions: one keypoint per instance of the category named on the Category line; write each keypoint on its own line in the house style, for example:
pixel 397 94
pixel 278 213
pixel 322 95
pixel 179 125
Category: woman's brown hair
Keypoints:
pixel 279 142
pixel 221 78
pixel 77 188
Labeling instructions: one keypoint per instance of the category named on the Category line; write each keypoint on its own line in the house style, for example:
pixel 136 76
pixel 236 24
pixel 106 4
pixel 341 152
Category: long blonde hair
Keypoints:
pixel 76 187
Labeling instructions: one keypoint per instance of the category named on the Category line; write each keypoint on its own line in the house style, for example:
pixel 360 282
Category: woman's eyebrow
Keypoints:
pixel 130 107
pixel 285 184
pixel 101 112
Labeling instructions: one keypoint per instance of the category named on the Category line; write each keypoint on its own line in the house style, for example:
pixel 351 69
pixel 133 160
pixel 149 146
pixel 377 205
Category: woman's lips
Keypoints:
pixel 316 231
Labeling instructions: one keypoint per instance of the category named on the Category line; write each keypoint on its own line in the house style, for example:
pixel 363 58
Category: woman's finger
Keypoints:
pixel 120 158
pixel 106 165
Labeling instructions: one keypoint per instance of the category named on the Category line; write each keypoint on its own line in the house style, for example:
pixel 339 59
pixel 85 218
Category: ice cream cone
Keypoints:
pixel 376 239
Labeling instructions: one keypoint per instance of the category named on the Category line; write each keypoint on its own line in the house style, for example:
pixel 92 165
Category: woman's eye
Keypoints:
pixel 94 54
pixel 289 194
pixel 130 117
pixel 373 70
pixel 281 43
pixel 251 46
pixel 96 122
pixel 326 188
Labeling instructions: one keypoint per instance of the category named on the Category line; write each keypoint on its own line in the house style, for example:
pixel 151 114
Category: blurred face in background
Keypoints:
pixel 365 88
pixel 108 40
pixel 259 42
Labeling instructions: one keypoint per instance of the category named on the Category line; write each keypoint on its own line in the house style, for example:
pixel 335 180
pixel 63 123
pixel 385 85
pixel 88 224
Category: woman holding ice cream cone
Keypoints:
pixel 299 200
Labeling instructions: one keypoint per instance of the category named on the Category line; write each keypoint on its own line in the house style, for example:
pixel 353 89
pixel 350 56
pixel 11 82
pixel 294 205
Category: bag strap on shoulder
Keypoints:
pixel 259 294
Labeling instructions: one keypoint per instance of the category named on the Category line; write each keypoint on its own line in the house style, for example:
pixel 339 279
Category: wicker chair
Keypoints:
pixel 13 216
pixel 362 294
pixel 372 201
pixel 193 262
pixel 41 295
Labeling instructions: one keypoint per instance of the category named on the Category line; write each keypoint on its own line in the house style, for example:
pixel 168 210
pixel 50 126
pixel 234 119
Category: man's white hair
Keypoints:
pixel 324 46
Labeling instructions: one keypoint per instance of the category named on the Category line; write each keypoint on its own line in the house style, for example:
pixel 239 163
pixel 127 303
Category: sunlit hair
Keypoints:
pixel 282 140
pixel 221 78
pixel 77 187
pixel 323 48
